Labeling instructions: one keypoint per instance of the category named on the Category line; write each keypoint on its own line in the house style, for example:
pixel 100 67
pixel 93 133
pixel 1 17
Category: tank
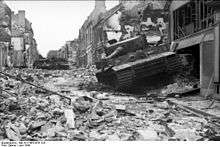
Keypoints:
pixel 51 64
pixel 132 61
pixel 145 58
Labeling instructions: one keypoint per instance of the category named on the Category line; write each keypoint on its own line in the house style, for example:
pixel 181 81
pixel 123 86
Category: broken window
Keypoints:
pixel 192 17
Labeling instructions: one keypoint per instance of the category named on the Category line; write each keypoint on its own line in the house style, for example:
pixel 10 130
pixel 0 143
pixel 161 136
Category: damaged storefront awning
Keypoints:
pixel 194 40
pixel 190 42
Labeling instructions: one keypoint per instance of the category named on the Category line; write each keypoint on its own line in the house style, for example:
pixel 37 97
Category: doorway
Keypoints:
pixel 191 59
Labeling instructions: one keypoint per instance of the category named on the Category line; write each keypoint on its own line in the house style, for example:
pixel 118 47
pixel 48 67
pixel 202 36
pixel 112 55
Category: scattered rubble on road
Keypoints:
pixel 32 114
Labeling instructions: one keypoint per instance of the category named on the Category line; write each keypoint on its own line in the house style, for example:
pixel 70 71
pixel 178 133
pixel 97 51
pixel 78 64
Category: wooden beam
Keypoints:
pixel 194 111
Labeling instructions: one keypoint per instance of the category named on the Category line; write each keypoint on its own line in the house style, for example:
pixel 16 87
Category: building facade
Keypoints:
pixel 23 42
pixel 129 19
pixel 72 51
pixel 86 35
pixel 101 30
pixel 5 34
pixel 195 31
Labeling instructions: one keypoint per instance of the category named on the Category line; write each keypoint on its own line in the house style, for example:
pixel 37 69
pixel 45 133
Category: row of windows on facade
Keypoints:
pixel 192 17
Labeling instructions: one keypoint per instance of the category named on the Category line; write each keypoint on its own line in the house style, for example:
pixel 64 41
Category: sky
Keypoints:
pixel 55 22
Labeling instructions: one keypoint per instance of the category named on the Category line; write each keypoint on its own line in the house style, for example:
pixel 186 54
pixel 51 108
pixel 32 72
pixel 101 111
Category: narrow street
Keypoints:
pixel 95 112
pixel 109 70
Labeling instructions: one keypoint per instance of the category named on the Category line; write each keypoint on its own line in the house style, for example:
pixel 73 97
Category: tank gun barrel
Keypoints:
pixel 125 46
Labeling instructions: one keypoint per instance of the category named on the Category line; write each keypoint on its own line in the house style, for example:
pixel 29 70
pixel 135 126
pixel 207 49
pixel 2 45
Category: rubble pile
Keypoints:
pixel 87 80
pixel 175 88
pixel 32 114
pixel 182 84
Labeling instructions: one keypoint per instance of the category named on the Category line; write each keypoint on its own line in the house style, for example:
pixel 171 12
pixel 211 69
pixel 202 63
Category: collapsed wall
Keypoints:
pixel 136 17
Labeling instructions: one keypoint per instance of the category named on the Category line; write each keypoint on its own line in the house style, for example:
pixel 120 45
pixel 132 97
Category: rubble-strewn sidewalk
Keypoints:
pixel 29 113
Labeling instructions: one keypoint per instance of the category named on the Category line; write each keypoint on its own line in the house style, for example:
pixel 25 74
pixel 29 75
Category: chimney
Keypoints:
pixel 100 4
pixel 21 18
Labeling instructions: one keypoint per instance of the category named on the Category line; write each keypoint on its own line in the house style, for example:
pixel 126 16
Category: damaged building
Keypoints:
pixel 5 34
pixel 23 42
pixel 72 48
pixel 122 22
pixel 100 31
pixel 132 41
pixel 189 28
pixel 87 36
pixel 194 30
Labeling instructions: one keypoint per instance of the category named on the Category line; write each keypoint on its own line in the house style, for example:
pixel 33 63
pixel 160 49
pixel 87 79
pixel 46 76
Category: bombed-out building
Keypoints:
pixel 188 27
pixel 5 34
pixel 119 23
pixel 194 30
pixel 23 42
pixel 86 35
pixel 101 31
pixel 135 46
pixel 132 18
pixel 72 48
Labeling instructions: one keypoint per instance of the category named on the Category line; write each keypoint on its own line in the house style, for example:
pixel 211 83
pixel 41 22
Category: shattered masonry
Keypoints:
pixel 33 114
pixel 18 46
pixel 69 105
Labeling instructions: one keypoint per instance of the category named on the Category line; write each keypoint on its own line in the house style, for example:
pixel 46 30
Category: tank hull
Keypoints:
pixel 125 76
